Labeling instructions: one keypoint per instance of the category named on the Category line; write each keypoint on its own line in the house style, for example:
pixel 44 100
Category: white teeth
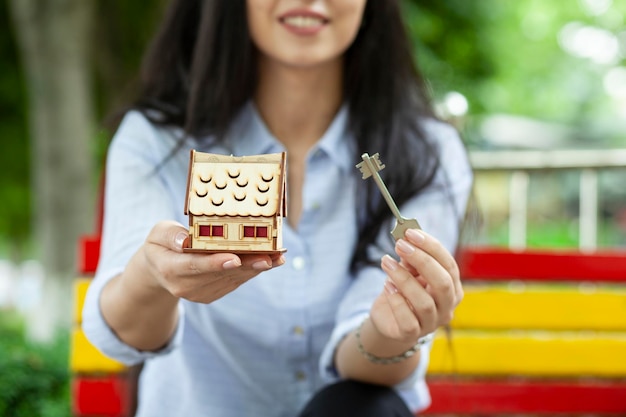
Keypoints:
pixel 303 21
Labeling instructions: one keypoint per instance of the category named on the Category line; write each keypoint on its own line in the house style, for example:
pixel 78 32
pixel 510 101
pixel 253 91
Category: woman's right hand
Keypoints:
pixel 197 277
pixel 140 304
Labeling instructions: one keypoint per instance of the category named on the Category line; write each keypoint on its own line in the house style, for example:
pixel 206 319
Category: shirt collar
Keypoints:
pixel 338 143
pixel 250 136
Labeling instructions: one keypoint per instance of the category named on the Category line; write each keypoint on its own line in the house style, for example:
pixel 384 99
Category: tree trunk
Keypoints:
pixel 53 37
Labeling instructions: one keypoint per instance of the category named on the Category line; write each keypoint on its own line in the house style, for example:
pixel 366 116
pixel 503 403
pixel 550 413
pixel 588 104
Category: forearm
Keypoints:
pixel 142 314
pixel 353 364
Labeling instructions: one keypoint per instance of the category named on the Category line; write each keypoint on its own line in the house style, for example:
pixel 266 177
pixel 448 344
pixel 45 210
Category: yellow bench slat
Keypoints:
pixel 81 285
pixel 542 307
pixel 86 359
pixel 530 353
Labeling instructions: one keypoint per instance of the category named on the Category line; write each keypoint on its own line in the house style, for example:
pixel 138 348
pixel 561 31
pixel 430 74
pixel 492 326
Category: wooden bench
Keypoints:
pixel 537 333
pixel 100 386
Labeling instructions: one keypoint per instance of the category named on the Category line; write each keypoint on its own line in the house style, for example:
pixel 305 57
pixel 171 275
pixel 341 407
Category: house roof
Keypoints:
pixel 221 185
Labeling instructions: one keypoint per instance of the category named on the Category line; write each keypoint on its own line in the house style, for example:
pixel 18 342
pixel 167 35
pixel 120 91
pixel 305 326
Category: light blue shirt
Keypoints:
pixel 266 348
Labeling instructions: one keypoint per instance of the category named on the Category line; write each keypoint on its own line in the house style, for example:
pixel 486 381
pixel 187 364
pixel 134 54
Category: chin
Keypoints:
pixel 310 62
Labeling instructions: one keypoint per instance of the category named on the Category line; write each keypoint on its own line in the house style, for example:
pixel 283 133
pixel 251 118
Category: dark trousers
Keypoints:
pixel 356 399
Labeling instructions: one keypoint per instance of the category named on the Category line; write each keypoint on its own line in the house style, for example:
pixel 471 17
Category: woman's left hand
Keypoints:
pixel 421 291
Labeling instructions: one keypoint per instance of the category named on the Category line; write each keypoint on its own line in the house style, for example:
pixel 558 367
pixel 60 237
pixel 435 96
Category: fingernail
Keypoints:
pixel 404 247
pixel 415 236
pixel 390 287
pixel 281 261
pixel 232 264
pixel 389 263
pixel 179 240
pixel 261 265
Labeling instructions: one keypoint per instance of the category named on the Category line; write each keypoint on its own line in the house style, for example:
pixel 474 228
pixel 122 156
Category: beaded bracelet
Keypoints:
pixel 392 359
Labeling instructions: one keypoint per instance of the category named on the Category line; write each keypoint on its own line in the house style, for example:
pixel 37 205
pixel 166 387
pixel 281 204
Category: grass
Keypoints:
pixel 553 234
pixel 34 378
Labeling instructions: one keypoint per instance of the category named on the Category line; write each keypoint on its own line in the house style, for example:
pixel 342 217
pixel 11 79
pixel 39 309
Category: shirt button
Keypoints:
pixel 300 376
pixel 298 263
pixel 298 330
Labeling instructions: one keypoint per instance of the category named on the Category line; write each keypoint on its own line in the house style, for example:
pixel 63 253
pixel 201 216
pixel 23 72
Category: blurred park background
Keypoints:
pixel 510 74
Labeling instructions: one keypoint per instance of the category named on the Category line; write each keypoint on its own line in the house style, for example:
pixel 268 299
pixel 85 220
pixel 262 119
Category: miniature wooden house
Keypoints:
pixel 236 204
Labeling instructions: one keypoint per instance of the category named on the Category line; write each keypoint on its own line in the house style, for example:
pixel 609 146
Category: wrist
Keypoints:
pixel 138 280
pixel 379 349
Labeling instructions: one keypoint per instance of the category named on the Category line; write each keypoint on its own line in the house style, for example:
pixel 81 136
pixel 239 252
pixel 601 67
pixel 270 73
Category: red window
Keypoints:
pixel 211 230
pixel 255 231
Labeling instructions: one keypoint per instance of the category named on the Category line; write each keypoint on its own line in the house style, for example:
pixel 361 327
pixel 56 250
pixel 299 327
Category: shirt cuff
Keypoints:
pixel 104 338
pixel 327 368
pixel 414 389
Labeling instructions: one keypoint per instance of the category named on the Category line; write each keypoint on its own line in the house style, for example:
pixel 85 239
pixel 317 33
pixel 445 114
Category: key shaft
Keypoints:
pixel 369 168
pixel 372 166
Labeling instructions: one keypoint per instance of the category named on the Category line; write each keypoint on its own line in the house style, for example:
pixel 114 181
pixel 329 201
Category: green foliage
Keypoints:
pixel 503 56
pixel 554 233
pixel 449 44
pixel 15 178
pixel 508 57
pixel 34 379
pixel 122 34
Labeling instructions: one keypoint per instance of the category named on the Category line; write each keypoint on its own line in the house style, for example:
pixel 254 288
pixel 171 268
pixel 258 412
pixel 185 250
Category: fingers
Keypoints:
pixel 434 264
pixel 439 283
pixel 199 277
pixel 440 254
pixel 194 264
pixel 427 282
pixel 198 264
pixel 173 236
pixel 413 308
pixel 204 278
pixel 255 262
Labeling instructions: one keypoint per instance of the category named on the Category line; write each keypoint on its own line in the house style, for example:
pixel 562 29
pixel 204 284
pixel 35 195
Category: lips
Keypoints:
pixel 303 22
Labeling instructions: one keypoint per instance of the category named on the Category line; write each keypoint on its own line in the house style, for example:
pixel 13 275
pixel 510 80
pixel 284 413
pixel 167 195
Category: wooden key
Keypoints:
pixel 369 168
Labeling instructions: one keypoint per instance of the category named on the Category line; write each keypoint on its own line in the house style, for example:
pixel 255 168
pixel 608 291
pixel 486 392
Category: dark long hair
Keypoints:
pixel 201 69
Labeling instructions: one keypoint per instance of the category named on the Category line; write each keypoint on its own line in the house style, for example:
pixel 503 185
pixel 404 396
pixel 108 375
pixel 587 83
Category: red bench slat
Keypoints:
pixel 496 264
pixel 104 396
pixel 88 254
pixel 491 397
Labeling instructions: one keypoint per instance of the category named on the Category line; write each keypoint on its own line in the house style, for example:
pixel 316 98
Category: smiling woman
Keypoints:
pixel 304 34
pixel 233 334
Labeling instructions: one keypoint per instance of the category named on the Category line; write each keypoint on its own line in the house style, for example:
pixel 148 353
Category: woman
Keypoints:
pixel 243 335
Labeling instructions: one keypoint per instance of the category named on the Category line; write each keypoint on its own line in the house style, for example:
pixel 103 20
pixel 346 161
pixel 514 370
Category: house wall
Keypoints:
pixel 233 238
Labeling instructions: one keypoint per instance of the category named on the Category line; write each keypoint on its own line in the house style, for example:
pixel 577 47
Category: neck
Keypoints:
pixel 299 104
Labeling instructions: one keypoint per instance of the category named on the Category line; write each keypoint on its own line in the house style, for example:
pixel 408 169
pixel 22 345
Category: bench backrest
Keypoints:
pixel 539 332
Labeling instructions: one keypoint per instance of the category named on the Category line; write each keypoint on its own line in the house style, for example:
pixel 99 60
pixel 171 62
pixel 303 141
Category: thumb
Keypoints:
pixel 180 241
pixel 170 234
